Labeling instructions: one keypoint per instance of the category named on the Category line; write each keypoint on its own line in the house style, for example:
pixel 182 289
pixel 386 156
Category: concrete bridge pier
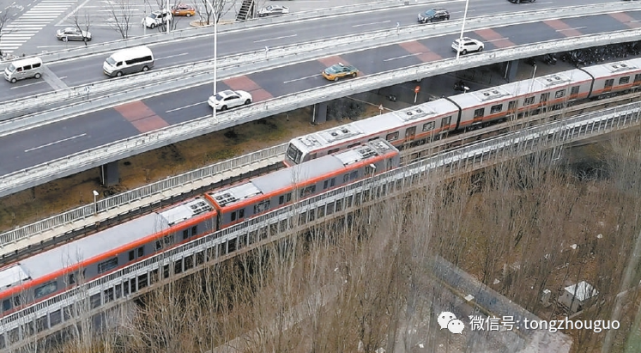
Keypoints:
pixel 510 70
pixel 109 174
pixel 319 113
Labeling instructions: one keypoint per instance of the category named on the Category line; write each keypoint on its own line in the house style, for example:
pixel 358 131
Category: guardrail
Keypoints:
pixel 260 59
pixel 193 33
pixel 76 162
pixel 106 291
pixel 137 194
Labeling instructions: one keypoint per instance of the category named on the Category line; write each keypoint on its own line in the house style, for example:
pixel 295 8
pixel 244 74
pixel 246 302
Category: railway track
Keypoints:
pixel 410 152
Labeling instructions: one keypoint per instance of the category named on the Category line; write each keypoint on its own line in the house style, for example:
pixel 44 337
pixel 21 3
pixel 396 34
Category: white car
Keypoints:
pixel 229 99
pixel 157 18
pixel 469 45
pixel 273 10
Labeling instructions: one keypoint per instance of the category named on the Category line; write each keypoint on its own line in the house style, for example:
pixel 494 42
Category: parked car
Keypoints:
pixel 273 10
pixel 468 45
pixel 433 15
pixel 71 33
pixel 157 18
pixel 335 72
pixel 183 10
pixel 229 99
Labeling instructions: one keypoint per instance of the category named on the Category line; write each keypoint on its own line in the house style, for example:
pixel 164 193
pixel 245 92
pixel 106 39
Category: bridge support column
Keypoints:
pixel 319 113
pixel 109 174
pixel 510 69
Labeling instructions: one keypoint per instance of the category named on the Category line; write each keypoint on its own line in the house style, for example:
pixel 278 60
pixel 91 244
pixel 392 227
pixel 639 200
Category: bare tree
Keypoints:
pixel 4 20
pixel 83 24
pixel 213 10
pixel 121 12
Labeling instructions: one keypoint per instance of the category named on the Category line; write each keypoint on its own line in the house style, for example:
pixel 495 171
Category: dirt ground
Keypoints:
pixel 70 192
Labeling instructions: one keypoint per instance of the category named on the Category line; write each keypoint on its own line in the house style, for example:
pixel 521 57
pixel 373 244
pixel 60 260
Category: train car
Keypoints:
pixel 614 78
pixel 477 109
pixel 398 127
pixel 51 272
pixel 268 192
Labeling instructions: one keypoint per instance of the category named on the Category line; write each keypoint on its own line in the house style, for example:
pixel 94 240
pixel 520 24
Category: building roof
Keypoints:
pixel 582 291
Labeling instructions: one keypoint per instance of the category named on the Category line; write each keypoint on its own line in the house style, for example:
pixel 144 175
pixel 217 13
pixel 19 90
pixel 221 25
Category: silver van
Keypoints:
pixel 127 61
pixel 22 69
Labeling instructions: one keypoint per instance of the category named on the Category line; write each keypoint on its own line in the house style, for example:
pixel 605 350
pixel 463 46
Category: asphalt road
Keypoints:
pixel 39 145
pixel 89 69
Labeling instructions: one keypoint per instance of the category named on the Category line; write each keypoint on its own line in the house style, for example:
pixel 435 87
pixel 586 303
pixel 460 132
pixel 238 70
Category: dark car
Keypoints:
pixel 433 15
pixel 520 1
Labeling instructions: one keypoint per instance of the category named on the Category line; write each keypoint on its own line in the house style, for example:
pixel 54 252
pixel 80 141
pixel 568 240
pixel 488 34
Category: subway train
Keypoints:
pixel 472 110
pixel 54 271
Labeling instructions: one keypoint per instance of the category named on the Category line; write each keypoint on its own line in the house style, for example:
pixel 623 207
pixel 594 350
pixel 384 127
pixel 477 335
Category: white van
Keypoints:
pixel 127 61
pixel 22 69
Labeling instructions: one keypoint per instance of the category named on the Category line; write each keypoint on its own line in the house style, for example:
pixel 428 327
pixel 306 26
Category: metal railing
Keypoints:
pixel 138 194
pixel 199 72
pixel 39 318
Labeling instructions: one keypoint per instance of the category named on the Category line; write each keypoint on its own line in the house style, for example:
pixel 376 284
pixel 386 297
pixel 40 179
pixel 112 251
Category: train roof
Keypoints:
pixel 544 83
pixel 481 97
pixel 83 249
pixel 617 68
pixel 373 125
pixel 288 177
pixel 86 248
pixel 11 276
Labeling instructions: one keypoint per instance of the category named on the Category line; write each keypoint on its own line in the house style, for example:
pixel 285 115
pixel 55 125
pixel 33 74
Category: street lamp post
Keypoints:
pixel 95 205
pixel 460 41
pixel 215 49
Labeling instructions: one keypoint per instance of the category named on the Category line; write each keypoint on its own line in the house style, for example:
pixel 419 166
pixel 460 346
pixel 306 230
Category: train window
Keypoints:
pixel 637 78
pixel 353 145
pixel 6 305
pixel 428 126
pixel 332 182
pixel 353 175
pixel 544 97
pixel 445 122
pixel 332 151
pixel 528 101
pixel 609 83
pixel 241 215
pixel 131 255
pixel 141 251
pixel 325 184
pixel 158 245
pixel 233 216
pixel 345 178
pixel 169 239
pixel 624 80
pixel 392 137
pixel 284 198
pixel 496 108
pixel 372 139
pixel 46 289
pixel 574 90
pixel 511 106
pixel 369 170
pixel 479 113
pixel 410 132
pixel 186 233
pixel 108 265
pixel 312 156
pixel 559 94
pixel 262 206
pixel 308 190
pixel 389 163
pixel 16 301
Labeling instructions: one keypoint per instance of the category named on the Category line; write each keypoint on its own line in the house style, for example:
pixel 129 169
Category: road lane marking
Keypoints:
pixel 172 56
pixel 402 57
pixel 371 23
pixel 300 79
pixel 28 84
pixel 497 39
pixel 275 38
pixel 569 29
pixel 187 106
pixel 53 143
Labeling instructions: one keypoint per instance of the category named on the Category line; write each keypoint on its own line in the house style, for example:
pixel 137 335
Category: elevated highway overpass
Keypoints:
pixel 47 152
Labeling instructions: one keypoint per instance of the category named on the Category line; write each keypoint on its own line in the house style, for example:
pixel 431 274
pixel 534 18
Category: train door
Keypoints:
pixel 608 85
pixel 637 80
pixel 409 133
